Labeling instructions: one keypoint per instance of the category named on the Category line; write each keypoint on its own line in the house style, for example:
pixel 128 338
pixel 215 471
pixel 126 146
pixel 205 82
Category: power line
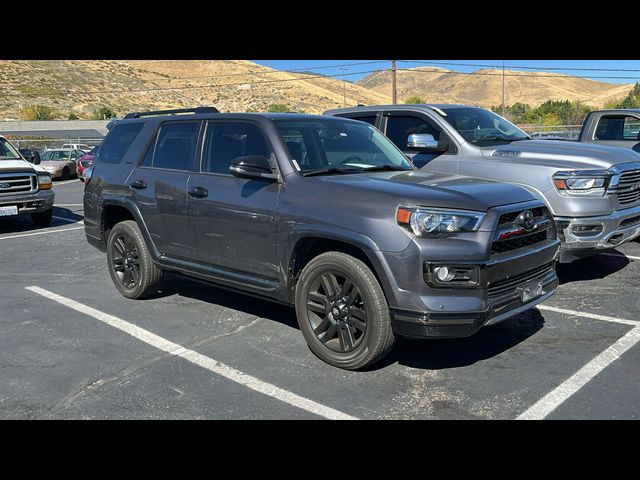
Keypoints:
pixel 191 87
pixel 528 75
pixel 591 69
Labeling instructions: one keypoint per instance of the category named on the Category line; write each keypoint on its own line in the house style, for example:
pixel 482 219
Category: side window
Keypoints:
pixel 226 141
pixel 176 145
pixel 370 119
pixel 618 127
pixel 118 141
pixel 294 140
pixel 400 127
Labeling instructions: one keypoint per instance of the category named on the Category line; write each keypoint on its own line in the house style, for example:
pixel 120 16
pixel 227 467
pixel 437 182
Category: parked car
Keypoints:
pixel 593 191
pixel 86 161
pixel 77 146
pixel 25 189
pixel 61 163
pixel 616 128
pixel 318 212
pixel 31 156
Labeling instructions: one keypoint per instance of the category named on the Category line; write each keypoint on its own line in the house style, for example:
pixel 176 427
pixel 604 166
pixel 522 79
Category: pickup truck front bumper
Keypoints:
pixel 585 236
pixel 36 202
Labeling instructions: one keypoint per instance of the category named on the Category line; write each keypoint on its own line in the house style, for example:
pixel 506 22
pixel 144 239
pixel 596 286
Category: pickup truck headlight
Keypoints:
pixel 586 182
pixel 44 181
pixel 433 222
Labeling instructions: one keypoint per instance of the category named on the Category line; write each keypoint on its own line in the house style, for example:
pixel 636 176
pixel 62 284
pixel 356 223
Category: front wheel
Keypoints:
pixel 342 311
pixel 130 265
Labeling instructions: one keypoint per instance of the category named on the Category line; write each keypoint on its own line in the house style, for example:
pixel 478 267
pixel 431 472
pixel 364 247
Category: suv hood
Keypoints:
pixel 432 189
pixel 561 154
pixel 9 166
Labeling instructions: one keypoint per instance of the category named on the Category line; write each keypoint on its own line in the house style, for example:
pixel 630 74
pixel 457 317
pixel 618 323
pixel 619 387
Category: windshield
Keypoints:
pixel 55 156
pixel 482 127
pixel 7 151
pixel 318 144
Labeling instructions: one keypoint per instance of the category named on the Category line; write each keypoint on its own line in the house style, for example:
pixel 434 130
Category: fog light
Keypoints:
pixel 586 230
pixel 444 274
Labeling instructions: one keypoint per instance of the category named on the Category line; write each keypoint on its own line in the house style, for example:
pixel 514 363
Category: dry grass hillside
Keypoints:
pixel 79 86
pixel 445 86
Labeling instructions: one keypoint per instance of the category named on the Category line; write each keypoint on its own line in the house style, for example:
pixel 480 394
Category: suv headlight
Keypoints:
pixel 582 182
pixel 434 222
pixel 44 181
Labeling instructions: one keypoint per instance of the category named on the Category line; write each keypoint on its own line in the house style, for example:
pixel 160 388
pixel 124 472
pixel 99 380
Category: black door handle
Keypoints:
pixel 198 192
pixel 138 185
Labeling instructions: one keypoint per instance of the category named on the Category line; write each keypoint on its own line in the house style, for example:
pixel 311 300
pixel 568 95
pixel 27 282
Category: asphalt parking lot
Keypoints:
pixel 72 347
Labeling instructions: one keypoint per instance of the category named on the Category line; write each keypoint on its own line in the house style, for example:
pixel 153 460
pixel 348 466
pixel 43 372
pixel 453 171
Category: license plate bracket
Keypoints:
pixel 530 291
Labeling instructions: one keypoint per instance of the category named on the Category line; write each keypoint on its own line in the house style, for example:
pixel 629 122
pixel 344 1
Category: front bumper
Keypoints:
pixel 498 297
pixel 619 227
pixel 30 203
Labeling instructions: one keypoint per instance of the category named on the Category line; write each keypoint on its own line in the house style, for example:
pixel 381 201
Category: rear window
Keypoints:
pixel 118 141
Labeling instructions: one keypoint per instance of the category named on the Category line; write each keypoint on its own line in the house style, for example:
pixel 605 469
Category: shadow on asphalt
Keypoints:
pixel 23 223
pixel 591 268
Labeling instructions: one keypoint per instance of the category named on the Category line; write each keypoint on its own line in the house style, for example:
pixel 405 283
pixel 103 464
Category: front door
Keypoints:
pixel 234 220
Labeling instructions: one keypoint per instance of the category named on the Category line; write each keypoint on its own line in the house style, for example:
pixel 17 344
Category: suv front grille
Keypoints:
pixel 509 285
pixel 12 183
pixel 628 189
pixel 526 239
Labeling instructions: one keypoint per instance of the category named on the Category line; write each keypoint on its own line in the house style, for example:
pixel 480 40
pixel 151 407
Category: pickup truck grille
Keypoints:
pixel 12 183
pixel 628 189
pixel 509 285
pixel 511 236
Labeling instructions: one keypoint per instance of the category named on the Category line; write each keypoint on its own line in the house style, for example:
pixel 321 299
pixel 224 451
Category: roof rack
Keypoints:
pixel 172 112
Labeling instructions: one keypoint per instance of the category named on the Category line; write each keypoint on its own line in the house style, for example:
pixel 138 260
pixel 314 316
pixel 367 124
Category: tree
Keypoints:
pixel 103 113
pixel 39 112
pixel 414 100
pixel 632 100
pixel 278 108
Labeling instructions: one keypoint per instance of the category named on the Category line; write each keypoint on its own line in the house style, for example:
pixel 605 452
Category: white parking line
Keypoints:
pixel 198 359
pixel 621 255
pixel 562 392
pixel 593 316
pixel 42 232
pixel 68 205
pixel 67 219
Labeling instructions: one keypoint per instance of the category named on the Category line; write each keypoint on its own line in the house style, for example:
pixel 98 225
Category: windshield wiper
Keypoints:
pixel 387 168
pixel 331 170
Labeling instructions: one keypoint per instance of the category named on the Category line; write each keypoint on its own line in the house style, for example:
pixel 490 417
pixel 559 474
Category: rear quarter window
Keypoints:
pixel 118 141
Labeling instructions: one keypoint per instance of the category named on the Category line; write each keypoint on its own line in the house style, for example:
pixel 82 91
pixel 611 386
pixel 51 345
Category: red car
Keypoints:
pixel 86 161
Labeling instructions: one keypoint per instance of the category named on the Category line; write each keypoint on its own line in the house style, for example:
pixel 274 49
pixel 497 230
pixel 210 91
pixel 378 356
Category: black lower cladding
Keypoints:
pixel 464 324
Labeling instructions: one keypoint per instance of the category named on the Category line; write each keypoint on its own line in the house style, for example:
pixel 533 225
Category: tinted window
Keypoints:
pixel 118 141
pixel 371 120
pixel 618 127
pixel 176 145
pixel 399 129
pixel 226 141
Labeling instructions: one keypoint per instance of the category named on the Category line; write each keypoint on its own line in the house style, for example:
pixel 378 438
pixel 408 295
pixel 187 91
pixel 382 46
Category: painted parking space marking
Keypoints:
pixel 552 400
pixel 65 219
pixel 196 358
pixel 42 232
pixel 620 255
pixel 592 316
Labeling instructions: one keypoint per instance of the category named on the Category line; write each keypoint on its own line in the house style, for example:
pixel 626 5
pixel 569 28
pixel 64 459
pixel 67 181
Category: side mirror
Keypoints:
pixel 36 158
pixel 423 142
pixel 252 166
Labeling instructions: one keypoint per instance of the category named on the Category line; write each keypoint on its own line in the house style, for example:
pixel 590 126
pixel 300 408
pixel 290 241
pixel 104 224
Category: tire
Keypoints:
pixel 130 265
pixel 42 219
pixel 65 174
pixel 360 333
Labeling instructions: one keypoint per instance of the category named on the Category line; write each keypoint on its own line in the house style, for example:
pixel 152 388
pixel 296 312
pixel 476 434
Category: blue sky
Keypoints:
pixel 355 72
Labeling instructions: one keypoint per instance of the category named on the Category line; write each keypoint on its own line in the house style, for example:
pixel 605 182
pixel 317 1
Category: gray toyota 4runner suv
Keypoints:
pixel 322 213
pixel 592 191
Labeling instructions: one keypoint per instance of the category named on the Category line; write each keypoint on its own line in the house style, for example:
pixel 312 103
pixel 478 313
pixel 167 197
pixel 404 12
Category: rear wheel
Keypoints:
pixel 130 265
pixel 342 311
pixel 42 219
pixel 65 174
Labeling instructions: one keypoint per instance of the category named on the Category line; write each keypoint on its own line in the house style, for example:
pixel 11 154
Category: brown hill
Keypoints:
pixel 485 89
pixel 79 86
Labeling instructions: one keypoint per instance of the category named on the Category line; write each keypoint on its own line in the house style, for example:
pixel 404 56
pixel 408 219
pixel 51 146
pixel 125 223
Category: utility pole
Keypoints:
pixel 503 88
pixel 344 86
pixel 394 90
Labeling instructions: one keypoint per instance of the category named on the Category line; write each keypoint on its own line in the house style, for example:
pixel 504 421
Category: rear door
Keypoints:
pixel 233 219
pixel 618 130
pixel 159 186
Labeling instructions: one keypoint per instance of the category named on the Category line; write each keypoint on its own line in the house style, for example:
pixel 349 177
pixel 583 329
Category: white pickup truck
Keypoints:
pixel 25 189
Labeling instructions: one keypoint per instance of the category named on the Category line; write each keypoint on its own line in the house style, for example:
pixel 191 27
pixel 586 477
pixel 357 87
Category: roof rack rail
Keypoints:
pixel 172 112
